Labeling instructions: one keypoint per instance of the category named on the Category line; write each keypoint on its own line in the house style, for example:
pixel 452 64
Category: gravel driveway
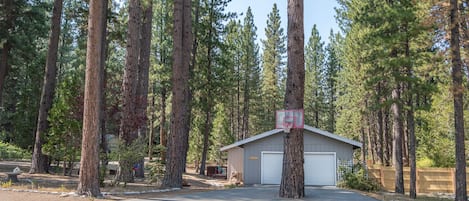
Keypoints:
pixel 265 193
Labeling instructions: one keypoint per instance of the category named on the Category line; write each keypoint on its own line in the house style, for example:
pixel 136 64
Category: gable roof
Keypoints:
pixel 354 143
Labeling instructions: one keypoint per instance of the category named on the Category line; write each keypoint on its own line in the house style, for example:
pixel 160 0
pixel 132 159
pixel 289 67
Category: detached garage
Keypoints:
pixel 258 159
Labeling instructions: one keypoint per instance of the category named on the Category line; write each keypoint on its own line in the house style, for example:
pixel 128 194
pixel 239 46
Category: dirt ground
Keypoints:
pixel 55 187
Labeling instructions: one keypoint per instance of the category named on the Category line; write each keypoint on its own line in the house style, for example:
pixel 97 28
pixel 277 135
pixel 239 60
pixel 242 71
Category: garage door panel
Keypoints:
pixel 271 168
pixel 319 168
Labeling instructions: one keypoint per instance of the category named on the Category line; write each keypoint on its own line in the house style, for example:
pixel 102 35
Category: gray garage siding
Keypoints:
pixel 252 156
pixel 313 143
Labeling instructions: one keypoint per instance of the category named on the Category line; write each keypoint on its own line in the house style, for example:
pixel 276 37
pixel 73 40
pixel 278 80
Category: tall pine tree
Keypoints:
pixel 250 75
pixel 272 68
pixel 314 96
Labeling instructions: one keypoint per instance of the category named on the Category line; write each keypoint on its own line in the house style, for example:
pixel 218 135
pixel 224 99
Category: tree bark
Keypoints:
pixel 380 137
pixel 6 47
pixel 128 131
pixel 412 148
pixel 292 183
pixel 364 150
pixel 238 104
pixel 163 137
pixel 208 109
pixel 89 173
pixel 411 129
pixel 4 66
pixel 143 75
pixel 388 139
pixel 246 99
pixel 39 162
pixel 180 108
pixel 104 149
pixel 458 93
pixel 397 142
pixel 207 128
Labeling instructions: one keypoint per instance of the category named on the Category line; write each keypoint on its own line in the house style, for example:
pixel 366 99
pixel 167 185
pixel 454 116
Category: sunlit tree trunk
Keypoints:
pixel 104 144
pixel 397 141
pixel 143 75
pixel 39 162
pixel 128 131
pixel 180 109
pixel 89 173
pixel 458 93
pixel 163 135
pixel 6 47
pixel 292 183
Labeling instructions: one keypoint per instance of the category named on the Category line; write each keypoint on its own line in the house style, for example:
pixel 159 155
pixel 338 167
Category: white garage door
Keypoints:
pixel 319 168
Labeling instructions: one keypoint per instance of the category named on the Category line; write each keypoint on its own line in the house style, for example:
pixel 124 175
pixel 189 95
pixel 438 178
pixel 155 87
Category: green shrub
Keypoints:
pixel 156 170
pixel 425 162
pixel 156 167
pixel 356 178
pixel 8 152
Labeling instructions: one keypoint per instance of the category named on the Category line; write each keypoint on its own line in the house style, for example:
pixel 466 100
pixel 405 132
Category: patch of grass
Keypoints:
pixel 9 152
pixel 6 184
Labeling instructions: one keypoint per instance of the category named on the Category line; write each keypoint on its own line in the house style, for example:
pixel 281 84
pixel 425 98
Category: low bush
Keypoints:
pixel 11 152
pixel 356 178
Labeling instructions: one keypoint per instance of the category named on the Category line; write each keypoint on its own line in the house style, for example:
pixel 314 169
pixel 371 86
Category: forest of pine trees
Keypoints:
pixel 394 77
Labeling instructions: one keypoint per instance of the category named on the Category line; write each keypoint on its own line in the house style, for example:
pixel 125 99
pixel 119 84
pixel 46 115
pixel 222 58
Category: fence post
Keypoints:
pixel 381 175
pixel 417 179
pixel 453 179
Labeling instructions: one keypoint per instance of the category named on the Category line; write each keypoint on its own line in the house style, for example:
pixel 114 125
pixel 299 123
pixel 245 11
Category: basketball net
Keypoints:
pixel 287 124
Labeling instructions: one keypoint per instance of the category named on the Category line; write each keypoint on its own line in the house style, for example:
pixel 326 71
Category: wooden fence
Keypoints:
pixel 429 180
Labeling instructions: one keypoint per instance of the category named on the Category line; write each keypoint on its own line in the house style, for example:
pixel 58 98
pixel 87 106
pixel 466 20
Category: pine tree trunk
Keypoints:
pixel 206 144
pixel 4 66
pixel 246 99
pixel 380 137
pixel 405 148
pixel 128 131
pixel 364 147
pixel 292 183
pixel 370 135
pixel 464 12
pixel 180 108
pixel 208 109
pixel 388 139
pixel 411 130
pixel 458 93
pixel 104 144
pixel 316 109
pixel 5 51
pixel 397 142
pixel 143 75
pixel 163 136
pixel 238 105
pixel 39 163
pixel 89 173
pixel 412 148
pixel 151 131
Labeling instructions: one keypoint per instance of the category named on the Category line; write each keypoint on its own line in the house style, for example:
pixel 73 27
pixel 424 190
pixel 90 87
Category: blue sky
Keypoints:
pixel 319 12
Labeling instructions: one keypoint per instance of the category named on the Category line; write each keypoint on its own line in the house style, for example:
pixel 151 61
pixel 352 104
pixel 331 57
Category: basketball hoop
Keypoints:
pixel 287 124
pixel 288 119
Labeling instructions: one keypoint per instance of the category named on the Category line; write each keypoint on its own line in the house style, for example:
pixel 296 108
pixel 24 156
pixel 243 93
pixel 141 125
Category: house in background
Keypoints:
pixel 258 159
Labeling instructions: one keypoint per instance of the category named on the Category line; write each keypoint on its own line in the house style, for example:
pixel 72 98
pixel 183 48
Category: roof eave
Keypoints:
pixel 354 143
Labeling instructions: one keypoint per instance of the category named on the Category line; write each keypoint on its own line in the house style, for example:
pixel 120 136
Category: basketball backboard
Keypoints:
pixel 288 119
